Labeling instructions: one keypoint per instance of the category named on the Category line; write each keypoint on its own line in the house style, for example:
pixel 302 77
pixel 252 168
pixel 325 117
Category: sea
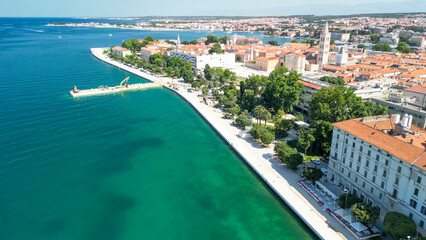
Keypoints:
pixel 131 165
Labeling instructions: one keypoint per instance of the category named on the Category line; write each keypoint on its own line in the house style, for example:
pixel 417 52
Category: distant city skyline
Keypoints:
pixel 133 8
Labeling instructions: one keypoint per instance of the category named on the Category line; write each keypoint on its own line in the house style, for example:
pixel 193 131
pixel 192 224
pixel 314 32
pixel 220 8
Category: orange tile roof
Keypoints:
pixel 121 49
pixel 416 89
pixel 397 146
pixel 335 68
pixel 311 85
pixel 266 58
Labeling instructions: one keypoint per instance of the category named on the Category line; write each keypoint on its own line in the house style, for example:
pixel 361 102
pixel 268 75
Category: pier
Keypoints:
pixel 119 88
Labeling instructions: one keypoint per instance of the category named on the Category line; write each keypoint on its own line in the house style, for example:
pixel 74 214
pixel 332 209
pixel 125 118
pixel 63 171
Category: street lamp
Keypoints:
pixel 347 193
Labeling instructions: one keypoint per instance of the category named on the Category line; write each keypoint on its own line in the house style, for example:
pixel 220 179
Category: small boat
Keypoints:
pixel 110 35
pixel 59 36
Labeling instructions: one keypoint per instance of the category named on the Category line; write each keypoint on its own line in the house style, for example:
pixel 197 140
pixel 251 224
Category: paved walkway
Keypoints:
pixel 281 179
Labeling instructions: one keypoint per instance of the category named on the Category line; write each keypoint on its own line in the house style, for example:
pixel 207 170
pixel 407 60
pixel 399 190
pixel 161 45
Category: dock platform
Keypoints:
pixel 107 90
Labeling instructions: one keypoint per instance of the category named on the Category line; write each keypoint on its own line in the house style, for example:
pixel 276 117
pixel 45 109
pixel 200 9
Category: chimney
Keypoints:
pixel 396 118
pixel 405 120
pixel 412 141
pixel 410 120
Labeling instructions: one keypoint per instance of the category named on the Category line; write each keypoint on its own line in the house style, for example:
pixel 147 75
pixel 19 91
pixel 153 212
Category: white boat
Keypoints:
pixel 110 34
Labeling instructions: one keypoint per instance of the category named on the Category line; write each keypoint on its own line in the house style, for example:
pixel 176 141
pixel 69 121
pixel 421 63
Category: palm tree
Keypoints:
pixel 261 113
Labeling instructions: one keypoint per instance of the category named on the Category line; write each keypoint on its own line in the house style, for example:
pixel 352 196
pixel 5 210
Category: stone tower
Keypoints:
pixel 324 46
pixel 178 42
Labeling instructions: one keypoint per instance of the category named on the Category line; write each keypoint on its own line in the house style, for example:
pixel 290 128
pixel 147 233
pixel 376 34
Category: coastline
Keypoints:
pixel 258 158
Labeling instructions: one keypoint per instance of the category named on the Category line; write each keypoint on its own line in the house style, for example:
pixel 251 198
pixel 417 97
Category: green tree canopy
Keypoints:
pixel 312 174
pixel 211 39
pixel 347 200
pixel 282 89
pixel 402 47
pixel 399 226
pixel 281 127
pixel 294 160
pixel 383 47
pixel 365 213
pixel 361 46
pixel 332 42
pixel 242 120
pixel 375 38
pixel 216 49
pixel 338 103
pixel 283 151
pixel 306 138
pixel 295 41
pixel 193 42
pixel 333 80
pixel 273 43
pixel 267 138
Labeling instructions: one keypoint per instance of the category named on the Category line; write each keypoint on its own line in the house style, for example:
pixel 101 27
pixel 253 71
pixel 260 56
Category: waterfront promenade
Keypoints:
pixel 281 179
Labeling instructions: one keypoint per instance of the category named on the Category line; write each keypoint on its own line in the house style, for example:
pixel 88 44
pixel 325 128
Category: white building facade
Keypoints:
pixel 199 62
pixel 382 160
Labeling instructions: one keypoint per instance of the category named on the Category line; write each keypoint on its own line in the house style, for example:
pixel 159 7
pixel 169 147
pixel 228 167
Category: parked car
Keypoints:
pixel 316 161
pixel 324 170
pixel 325 159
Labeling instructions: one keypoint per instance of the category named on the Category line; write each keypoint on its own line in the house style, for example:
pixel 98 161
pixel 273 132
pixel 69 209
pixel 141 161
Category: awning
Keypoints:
pixel 331 194
pixel 359 226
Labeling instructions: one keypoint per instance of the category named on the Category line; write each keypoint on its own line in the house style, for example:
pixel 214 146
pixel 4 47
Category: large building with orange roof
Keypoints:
pixel 382 160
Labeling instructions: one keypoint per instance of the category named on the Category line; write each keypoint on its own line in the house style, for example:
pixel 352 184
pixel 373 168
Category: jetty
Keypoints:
pixel 123 86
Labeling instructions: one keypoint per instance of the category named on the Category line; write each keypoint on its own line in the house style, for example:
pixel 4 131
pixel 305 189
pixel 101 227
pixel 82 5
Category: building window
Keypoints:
pixel 374 179
pixel 397 180
pixel 410 215
pixel 371 189
pixel 359 159
pixel 423 210
pixel 416 191
pixel 380 196
pixel 350 164
pixel 356 179
pixel 343 170
pixel 363 184
pixel 375 168
pixel 357 169
pixel 419 179
pixel 337 136
pixel 352 154
pixel 382 185
pixel 360 148
pixel 365 174
pixel 413 203
pixel 353 144
pixel 335 155
pixel 344 160
pixel 421 223
pixel 349 174
pixel 367 163
pixel 344 151
pixel 377 157
pixel 395 193
pixel 368 153
pixel 399 169
pixel 346 141
pixel 387 162
pixel 337 145
pixel 384 173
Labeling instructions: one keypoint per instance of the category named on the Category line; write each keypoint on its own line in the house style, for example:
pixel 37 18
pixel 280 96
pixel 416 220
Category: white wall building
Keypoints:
pixel 121 51
pixel 383 161
pixel 200 61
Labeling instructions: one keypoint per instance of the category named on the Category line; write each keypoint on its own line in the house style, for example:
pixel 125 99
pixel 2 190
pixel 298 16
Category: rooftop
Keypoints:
pixel 409 148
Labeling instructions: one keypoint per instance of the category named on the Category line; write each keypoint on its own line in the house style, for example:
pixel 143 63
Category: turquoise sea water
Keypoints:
pixel 135 165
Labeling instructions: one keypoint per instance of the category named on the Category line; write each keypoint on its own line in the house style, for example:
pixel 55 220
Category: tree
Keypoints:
pixel 284 151
pixel 223 39
pixel 295 160
pixel 305 138
pixel 402 47
pixel 234 110
pixel 187 72
pixel 383 47
pixel 205 91
pixel 250 91
pixel 295 41
pixel 365 213
pixel 333 80
pixel 375 38
pixel 185 42
pixel 399 226
pixel 273 43
pixel 281 127
pixel 322 131
pixel 347 200
pixel 404 39
pixel 361 46
pixel 332 42
pixel 193 42
pixel 338 103
pixel 282 89
pixel 256 131
pixel 211 39
pixel 242 120
pixel 208 72
pixel 267 138
pixel 216 49
pixel 312 174
pixel 258 112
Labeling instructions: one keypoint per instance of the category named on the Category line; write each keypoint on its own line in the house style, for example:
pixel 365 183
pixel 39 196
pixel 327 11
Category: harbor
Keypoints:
pixel 123 86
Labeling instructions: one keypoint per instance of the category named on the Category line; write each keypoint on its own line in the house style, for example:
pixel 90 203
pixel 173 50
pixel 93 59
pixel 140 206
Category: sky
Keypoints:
pixel 135 8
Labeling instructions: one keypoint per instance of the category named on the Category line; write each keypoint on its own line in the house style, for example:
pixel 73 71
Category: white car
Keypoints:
pixel 324 170
pixel 316 161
